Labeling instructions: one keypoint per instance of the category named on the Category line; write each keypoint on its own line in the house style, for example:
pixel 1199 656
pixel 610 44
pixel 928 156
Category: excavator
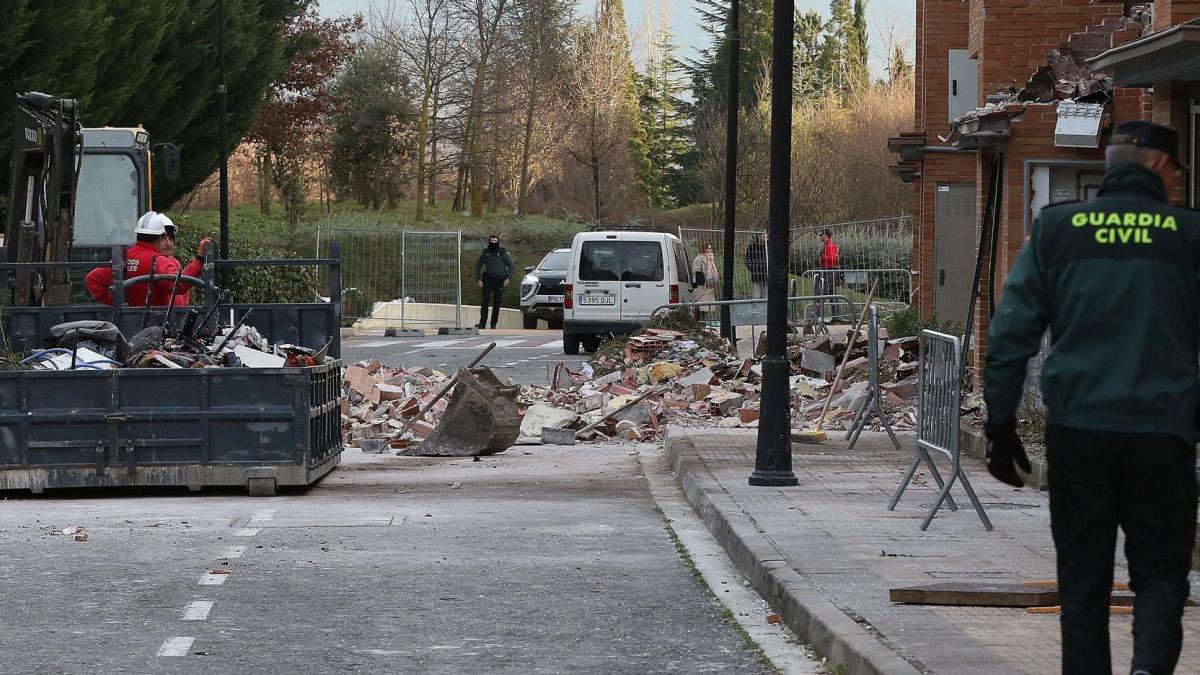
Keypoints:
pixel 74 192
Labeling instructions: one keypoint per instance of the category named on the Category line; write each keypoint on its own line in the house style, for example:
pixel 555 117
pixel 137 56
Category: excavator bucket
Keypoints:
pixel 481 418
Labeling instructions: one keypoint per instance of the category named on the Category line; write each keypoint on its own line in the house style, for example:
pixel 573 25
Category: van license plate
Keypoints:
pixel 597 300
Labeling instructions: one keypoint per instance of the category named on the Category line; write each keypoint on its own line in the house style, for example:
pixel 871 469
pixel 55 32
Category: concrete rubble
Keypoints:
pixel 659 377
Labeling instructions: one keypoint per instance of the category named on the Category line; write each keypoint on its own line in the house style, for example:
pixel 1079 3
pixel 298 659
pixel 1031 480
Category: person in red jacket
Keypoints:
pixel 829 262
pixel 153 251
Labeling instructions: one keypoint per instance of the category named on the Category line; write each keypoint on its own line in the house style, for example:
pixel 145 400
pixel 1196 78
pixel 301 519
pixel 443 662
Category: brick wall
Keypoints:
pixel 939 168
pixel 1014 35
pixel 1168 13
pixel 944 29
pixel 941 26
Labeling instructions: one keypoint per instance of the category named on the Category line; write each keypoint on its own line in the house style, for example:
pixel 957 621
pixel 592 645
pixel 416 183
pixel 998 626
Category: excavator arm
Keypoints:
pixel 47 150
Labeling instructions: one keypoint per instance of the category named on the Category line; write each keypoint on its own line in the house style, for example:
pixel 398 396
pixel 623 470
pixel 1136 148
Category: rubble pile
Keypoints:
pixel 100 345
pixel 630 394
pixel 817 359
pixel 377 402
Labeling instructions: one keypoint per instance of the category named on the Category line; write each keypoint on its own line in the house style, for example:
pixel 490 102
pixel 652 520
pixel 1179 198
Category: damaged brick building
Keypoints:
pixel 1015 100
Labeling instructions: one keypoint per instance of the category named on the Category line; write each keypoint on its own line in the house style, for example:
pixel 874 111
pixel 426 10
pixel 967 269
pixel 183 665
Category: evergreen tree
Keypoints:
pixel 810 81
pixel 132 62
pixel 858 48
pixel 710 71
pixel 665 127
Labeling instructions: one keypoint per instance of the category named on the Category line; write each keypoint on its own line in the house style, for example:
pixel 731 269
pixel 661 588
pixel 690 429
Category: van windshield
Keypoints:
pixel 621 261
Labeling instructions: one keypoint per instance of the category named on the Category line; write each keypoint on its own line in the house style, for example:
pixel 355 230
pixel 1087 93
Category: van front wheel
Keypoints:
pixel 570 344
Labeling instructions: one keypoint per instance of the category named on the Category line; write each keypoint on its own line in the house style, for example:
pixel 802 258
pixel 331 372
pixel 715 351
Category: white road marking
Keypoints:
pixel 442 344
pixel 232 552
pixel 197 610
pixel 556 344
pixel 176 646
pixel 210 579
pixel 500 344
pixel 265 514
pixel 369 345
pixel 246 532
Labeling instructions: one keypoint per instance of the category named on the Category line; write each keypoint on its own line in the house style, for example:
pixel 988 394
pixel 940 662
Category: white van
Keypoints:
pixel 615 280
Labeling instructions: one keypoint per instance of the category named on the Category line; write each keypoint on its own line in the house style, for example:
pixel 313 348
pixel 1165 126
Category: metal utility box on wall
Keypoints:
pixel 954 232
pixel 963 85
pixel 1078 125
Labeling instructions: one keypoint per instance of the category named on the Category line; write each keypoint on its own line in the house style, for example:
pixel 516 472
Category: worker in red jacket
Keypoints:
pixel 829 263
pixel 153 251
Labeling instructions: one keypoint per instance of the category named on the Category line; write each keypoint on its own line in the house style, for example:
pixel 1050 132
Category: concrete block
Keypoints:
pixel 552 436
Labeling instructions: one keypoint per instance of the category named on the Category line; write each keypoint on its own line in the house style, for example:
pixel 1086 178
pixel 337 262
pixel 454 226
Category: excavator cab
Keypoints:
pixel 74 194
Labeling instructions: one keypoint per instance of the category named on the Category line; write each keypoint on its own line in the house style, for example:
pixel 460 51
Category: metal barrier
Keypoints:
pixel 873 404
pixel 747 312
pixel 694 241
pixel 893 287
pixel 878 244
pixel 938 409
pixel 401 266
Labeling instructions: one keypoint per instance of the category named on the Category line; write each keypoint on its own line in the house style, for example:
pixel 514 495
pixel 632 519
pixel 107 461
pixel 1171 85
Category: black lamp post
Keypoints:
pixel 223 132
pixel 773 461
pixel 731 149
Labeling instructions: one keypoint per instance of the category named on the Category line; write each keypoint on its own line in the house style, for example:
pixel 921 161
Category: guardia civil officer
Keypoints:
pixel 493 273
pixel 1116 280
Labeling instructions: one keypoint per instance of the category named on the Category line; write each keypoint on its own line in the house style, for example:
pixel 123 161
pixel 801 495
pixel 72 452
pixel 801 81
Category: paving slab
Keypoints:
pixel 826 552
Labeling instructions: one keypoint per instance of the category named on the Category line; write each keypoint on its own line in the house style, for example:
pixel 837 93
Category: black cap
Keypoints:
pixel 1150 136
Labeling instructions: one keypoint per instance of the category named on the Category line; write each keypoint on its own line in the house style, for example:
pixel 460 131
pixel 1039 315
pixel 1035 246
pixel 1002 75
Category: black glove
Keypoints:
pixel 1005 448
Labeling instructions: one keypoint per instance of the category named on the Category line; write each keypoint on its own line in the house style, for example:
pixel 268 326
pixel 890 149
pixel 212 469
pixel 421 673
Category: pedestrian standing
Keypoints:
pixel 704 277
pixel 493 273
pixel 1115 281
pixel 826 278
pixel 756 264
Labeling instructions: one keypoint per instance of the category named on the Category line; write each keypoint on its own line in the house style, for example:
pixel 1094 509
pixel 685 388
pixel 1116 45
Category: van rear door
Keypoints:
pixel 598 280
pixel 644 283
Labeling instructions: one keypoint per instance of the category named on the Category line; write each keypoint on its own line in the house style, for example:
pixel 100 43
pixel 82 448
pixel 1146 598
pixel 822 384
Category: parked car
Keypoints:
pixel 615 280
pixel 542 290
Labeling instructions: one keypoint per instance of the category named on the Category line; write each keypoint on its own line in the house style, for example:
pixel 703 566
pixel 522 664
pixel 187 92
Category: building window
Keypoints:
pixel 1054 182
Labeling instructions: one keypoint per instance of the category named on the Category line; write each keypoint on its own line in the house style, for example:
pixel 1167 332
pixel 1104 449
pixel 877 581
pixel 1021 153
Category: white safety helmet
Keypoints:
pixel 154 223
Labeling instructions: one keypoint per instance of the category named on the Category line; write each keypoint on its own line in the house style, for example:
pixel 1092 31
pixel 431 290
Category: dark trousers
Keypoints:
pixel 1146 484
pixel 493 289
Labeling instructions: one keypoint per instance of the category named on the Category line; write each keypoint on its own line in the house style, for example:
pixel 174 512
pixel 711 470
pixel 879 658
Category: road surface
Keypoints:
pixel 525 356
pixel 540 559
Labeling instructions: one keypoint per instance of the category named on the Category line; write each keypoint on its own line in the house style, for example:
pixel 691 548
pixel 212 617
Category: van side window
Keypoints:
pixel 621 261
pixel 682 274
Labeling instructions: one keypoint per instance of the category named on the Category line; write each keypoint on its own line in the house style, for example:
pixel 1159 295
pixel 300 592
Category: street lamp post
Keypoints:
pixel 731 149
pixel 223 132
pixel 773 460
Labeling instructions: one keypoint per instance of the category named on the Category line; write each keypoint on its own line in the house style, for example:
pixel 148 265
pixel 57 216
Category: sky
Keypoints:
pixel 884 17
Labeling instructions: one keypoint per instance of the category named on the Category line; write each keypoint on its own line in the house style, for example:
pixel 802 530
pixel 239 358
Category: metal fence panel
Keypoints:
pixel 938 412
pixel 866 248
pixel 383 265
pixel 694 241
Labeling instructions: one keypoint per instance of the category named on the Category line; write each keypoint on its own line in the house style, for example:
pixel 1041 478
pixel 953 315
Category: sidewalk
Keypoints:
pixel 825 553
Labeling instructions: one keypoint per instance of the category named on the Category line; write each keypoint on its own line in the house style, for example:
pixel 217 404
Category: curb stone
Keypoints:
pixel 831 630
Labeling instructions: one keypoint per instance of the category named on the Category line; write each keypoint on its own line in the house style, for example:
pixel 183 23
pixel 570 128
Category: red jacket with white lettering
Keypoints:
pixel 138 260
pixel 829 256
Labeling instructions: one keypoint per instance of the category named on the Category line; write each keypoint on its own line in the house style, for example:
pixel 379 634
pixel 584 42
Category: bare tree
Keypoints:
pixel 485 18
pixel 541 29
pixel 604 105
pixel 426 44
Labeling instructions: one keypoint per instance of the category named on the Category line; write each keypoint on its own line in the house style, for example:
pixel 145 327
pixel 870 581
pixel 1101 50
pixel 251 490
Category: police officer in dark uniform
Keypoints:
pixel 1116 280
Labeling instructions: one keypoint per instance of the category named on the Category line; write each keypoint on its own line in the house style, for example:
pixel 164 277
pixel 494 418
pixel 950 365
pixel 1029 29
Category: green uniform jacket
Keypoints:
pixel 1117 282
pixel 494 264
